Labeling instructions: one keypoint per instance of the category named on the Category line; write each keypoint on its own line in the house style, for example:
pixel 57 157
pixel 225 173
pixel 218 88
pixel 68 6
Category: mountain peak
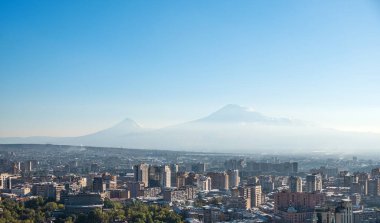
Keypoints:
pixel 127 123
pixel 233 107
pixel 124 127
pixel 235 110
pixel 233 113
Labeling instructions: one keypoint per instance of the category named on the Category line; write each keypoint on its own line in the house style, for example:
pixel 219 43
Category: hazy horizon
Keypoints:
pixel 171 124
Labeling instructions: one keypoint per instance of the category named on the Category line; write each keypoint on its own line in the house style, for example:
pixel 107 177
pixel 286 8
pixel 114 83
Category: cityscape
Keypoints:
pixel 189 111
pixel 194 186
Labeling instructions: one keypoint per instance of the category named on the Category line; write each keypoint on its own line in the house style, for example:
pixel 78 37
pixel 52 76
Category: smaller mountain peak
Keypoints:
pixel 128 122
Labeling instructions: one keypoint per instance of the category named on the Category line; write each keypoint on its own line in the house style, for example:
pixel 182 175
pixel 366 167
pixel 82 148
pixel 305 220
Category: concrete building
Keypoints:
pixel 251 192
pixel 237 202
pixel 344 212
pixel 119 194
pixel 82 203
pixel 233 178
pixel 159 176
pixel 219 180
pixel 174 168
pixel 313 183
pixel 165 180
pixel 48 190
pixel 204 183
pixel 181 179
pixel 98 185
pixel 300 200
pixel 297 207
pixel 5 181
pixel 256 196
pixel 142 173
pixel 374 187
pixel 180 194
pixel 136 189
pixel 295 184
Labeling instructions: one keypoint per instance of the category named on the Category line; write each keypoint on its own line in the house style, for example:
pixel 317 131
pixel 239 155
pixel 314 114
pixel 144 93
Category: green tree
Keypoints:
pixel 51 206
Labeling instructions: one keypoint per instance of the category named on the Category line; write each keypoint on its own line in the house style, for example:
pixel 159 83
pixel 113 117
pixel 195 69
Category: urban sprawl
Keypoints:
pixel 69 183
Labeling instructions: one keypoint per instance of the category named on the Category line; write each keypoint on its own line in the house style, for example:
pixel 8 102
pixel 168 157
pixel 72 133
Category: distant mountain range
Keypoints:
pixel 233 128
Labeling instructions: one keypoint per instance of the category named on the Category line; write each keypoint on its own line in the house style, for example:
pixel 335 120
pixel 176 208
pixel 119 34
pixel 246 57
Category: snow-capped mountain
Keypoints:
pixel 231 128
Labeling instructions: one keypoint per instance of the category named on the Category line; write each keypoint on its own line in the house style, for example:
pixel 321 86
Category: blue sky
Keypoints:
pixel 72 67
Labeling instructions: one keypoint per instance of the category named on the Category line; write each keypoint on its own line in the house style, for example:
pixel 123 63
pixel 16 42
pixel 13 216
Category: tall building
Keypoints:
pixel 204 183
pixel 165 180
pixel 295 184
pixel 256 196
pixel 16 167
pixel 48 190
pixel 110 181
pixel 181 179
pixel 362 182
pixel 159 176
pixel 244 191
pixel 297 207
pixel 313 183
pixel 5 181
pixel 142 173
pixel 154 177
pixel 348 180
pixel 219 180
pixel 253 193
pixel 374 187
pixel 344 212
pixel 174 168
pixel 136 189
pixel 233 178
pixel 98 185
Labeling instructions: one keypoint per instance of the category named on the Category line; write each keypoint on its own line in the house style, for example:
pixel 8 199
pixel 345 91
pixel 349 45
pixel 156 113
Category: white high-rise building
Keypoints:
pixel 256 195
pixel 165 176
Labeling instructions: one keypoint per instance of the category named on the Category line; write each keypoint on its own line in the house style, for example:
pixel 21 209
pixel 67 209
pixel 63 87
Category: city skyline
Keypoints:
pixel 189 111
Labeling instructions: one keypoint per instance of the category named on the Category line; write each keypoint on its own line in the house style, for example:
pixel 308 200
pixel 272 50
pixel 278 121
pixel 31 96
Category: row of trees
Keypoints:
pixel 40 211
pixel 34 210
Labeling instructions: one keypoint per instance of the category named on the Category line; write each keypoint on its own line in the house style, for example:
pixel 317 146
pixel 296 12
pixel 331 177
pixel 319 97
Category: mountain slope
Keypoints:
pixel 238 114
pixel 231 128
pixel 107 136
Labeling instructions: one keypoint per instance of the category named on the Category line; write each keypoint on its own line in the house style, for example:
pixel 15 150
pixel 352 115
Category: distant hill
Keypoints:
pixel 232 128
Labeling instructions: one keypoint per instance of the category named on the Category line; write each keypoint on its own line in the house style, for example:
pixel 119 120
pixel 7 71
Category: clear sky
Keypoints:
pixel 72 67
